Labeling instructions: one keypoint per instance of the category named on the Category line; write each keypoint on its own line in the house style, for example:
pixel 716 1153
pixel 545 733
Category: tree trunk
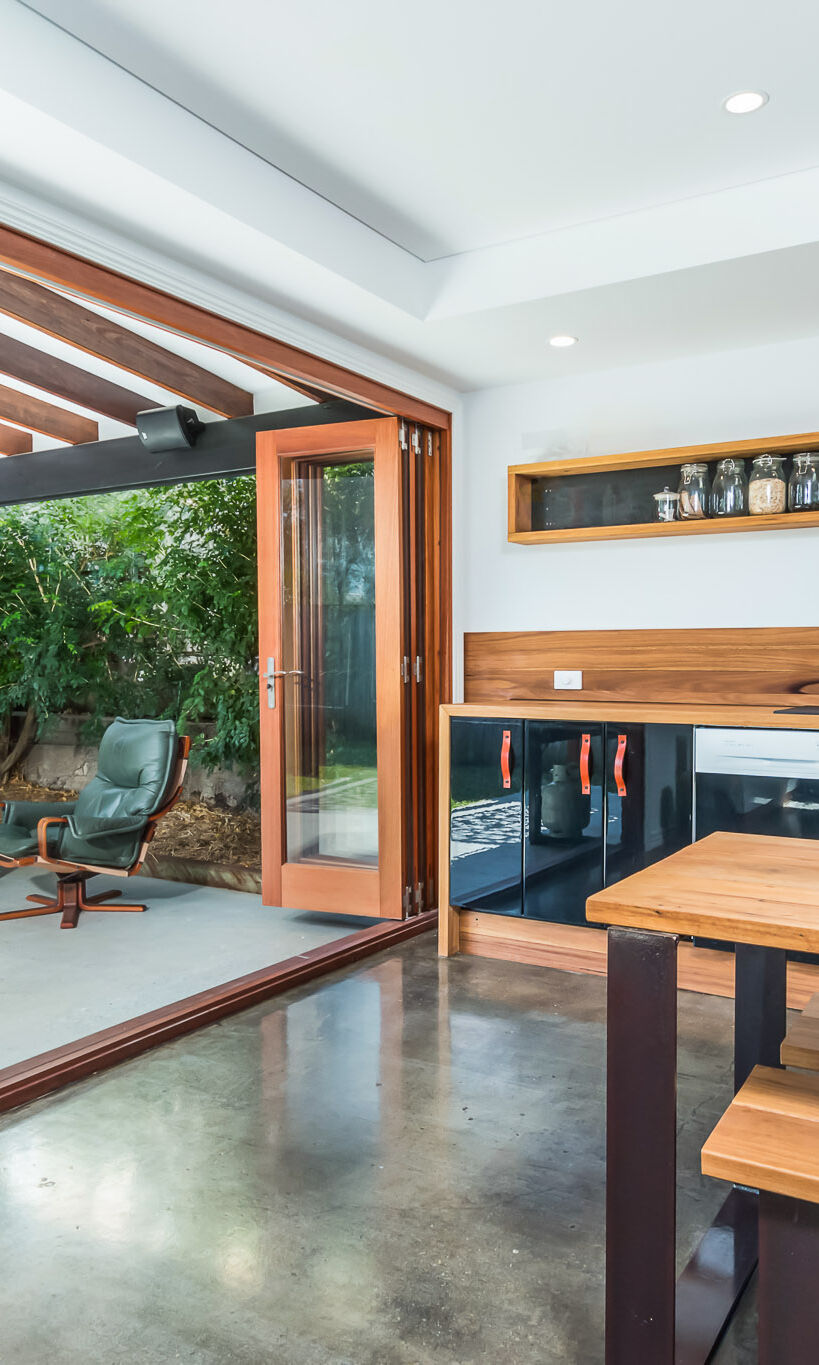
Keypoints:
pixel 25 742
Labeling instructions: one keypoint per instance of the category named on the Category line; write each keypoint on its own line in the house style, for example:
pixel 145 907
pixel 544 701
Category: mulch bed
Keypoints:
pixel 191 830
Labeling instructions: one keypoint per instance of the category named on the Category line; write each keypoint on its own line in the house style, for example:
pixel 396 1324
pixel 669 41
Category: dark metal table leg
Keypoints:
pixel 641 1147
pixel 759 1008
pixel 788 1281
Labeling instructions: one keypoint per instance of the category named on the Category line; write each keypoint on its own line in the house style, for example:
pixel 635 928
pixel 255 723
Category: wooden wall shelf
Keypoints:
pixel 527 481
pixel 787 520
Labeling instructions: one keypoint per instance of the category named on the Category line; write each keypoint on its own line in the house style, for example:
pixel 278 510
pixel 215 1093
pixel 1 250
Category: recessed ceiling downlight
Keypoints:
pixel 562 341
pixel 745 102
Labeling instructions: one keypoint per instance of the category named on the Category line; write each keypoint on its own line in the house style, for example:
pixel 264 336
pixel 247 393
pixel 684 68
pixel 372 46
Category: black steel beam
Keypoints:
pixel 224 449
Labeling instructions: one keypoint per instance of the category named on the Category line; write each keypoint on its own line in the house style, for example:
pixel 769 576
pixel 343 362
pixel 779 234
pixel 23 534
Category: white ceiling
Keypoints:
pixel 446 184
pixel 453 126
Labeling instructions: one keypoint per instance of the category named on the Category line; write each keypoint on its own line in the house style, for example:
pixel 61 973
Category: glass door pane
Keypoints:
pixel 328 637
pixel 649 776
pixel 486 815
pixel 563 849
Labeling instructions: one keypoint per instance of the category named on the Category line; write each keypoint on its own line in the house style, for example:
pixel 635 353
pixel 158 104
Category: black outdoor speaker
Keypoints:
pixel 168 428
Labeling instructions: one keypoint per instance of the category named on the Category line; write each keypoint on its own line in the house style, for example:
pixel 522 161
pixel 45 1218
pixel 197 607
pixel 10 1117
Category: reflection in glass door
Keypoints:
pixel 563 850
pixel 329 683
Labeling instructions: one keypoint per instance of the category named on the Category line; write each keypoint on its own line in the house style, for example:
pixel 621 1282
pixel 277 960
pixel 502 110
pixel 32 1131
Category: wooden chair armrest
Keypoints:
pixel 42 831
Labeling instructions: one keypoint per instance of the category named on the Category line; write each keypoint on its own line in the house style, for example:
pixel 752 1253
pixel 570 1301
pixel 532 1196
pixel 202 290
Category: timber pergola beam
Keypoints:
pixel 289 363
pixel 49 420
pixel 56 376
pixel 59 317
pixel 14 442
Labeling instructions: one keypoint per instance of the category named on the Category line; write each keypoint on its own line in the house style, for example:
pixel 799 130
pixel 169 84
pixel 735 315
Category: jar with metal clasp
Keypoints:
pixel 803 489
pixel 729 493
pixel 767 490
pixel 694 492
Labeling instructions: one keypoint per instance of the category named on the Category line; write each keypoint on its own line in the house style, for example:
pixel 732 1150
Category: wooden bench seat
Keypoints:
pixel 801 1043
pixel 768 1138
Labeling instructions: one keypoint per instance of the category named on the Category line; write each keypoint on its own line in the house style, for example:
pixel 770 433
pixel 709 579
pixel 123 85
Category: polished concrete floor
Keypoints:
pixel 58 985
pixel 402 1165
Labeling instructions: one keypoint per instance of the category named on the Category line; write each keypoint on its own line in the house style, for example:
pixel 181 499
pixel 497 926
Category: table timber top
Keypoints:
pixel 746 888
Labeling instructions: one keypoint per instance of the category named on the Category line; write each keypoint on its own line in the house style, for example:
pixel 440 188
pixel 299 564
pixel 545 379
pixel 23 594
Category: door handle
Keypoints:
pixel 585 774
pixel 619 759
pixel 272 674
pixel 506 771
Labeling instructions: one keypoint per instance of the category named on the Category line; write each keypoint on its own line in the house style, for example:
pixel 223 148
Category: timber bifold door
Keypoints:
pixel 337 713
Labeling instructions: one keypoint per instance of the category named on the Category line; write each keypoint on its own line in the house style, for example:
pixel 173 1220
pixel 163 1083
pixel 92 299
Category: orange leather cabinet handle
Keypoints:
pixel 622 741
pixel 585 776
pixel 505 750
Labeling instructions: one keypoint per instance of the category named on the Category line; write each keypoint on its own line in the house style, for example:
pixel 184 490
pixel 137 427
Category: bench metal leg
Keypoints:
pixel 788 1294
pixel 715 1278
pixel 641 1147
pixel 760 1008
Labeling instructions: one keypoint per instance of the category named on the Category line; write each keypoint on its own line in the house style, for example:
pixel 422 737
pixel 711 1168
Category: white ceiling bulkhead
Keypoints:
pixel 451 186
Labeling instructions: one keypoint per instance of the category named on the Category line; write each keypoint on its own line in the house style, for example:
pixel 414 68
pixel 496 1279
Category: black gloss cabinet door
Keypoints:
pixel 486 815
pixel 649 795
pixel 563 849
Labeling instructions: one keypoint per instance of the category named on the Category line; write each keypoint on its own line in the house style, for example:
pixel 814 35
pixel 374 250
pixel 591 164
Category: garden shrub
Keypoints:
pixel 135 604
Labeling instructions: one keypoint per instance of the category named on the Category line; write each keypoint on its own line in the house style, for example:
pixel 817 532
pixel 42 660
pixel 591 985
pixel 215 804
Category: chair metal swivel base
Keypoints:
pixel 71 900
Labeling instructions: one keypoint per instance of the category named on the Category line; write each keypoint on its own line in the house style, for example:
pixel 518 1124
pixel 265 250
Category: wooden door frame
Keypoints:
pixel 365 891
pixel 75 473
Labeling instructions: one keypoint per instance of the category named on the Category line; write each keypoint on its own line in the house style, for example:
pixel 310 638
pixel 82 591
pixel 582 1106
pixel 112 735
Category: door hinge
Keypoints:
pixel 405 669
pixel 416 440
pixel 419 898
pixel 406 899
pixel 429 444
pixel 418 668
pixel 402 435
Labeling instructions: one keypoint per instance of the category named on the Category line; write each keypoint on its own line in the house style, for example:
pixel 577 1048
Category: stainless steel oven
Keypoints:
pixel 757 782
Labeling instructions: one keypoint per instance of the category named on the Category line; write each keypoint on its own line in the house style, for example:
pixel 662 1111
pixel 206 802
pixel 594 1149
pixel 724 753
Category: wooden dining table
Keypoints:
pixel 762 895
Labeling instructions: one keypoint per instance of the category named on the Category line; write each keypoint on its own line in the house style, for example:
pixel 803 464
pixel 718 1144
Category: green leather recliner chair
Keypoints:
pixel 140 769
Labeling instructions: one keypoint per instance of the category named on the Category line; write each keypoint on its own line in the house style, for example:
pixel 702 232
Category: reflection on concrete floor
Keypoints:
pixel 401 1165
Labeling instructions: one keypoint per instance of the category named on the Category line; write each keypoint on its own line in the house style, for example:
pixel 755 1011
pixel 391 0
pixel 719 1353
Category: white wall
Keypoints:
pixel 765 579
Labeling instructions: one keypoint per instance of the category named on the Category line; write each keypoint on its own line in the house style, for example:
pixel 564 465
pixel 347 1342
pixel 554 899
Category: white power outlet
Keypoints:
pixel 568 680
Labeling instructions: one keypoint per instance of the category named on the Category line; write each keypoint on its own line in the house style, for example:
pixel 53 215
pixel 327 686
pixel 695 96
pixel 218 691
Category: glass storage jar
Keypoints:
pixel 767 492
pixel 803 489
pixel 729 495
pixel 667 503
pixel 694 492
